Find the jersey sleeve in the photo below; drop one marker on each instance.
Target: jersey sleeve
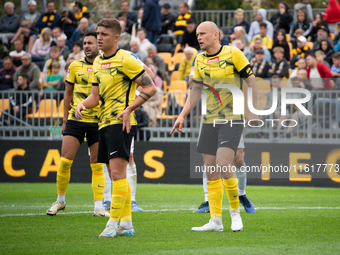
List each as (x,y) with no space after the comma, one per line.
(197,77)
(192,72)
(241,63)
(132,67)
(95,81)
(70,76)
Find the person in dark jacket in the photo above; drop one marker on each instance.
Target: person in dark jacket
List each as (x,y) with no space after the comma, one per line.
(259,65)
(142,121)
(317,23)
(168,19)
(152,20)
(124,7)
(280,66)
(7,74)
(303,23)
(328,50)
(189,36)
(239,20)
(68,22)
(50,18)
(282,19)
(9,24)
(281,40)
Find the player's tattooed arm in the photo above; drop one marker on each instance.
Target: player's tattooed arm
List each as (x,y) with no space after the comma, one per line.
(146,80)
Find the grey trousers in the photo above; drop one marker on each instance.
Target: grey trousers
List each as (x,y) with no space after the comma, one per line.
(5,38)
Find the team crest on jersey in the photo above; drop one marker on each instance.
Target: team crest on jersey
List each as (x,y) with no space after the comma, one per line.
(223,64)
(105,65)
(213,60)
(89,69)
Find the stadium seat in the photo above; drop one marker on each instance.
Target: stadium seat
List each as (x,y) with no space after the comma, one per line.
(60,113)
(165,86)
(331,36)
(165,47)
(258,78)
(176,59)
(288,37)
(47,108)
(166,57)
(310,45)
(180,96)
(284,84)
(174,76)
(4,105)
(261,102)
(291,51)
(178,86)
(177,48)
(263,85)
(40,82)
(165,38)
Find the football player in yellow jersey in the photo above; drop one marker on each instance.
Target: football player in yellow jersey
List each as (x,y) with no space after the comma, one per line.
(115,75)
(218,143)
(78,87)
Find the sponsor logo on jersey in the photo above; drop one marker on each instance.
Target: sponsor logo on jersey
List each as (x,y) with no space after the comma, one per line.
(213,60)
(105,65)
(89,69)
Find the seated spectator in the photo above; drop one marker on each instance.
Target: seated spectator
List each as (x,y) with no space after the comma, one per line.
(282,19)
(318,74)
(108,14)
(17,53)
(7,74)
(223,39)
(328,50)
(274,83)
(301,23)
(302,64)
(259,65)
(157,60)
(189,37)
(336,68)
(320,57)
(124,7)
(306,7)
(30,69)
(78,35)
(281,41)
(67,22)
(152,20)
(21,102)
(181,21)
(123,16)
(56,33)
(301,51)
(280,66)
(240,21)
(9,24)
(28,22)
(168,19)
(323,34)
(186,63)
(257,46)
(138,24)
(134,47)
(55,57)
(53,79)
(157,80)
(64,49)
(79,10)
(268,42)
(42,46)
(317,23)
(242,47)
(239,34)
(124,39)
(144,42)
(303,82)
(76,54)
(261,17)
(143,120)
(92,26)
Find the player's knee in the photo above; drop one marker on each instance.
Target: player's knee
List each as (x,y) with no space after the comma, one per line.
(238,161)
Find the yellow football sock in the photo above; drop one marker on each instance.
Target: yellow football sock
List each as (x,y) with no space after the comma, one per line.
(126,213)
(215,196)
(119,195)
(63,175)
(98,181)
(231,188)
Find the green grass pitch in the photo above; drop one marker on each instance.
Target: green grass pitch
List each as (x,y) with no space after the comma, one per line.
(288,221)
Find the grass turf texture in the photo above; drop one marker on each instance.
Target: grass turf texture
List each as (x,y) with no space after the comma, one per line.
(288,229)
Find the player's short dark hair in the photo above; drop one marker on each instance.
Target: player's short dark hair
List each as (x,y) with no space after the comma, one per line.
(312,54)
(24,76)
(191,21)
(262,24)
(91,33)
(112,24)
(86,15)
(336,55)
(122,14)
(79,4)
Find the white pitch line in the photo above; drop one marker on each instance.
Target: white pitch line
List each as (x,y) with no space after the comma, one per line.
(185,209)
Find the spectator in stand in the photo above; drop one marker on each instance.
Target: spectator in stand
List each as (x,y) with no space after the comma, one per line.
(267,41)
(317,23)
(42,46)
(281,41)
(138,24)
(92,26)
(335,70)
(52,80)
(242,47)
(144,42)
(17,53)
(301,51)
(168,19)
(108,14)
(55,58)
(56,33)
(186,63)
(78,35)
(30,69)
(124,7)
(280,66)
(76,54)
(68,22)
(240,22)
(257,46)
(189,37)
(181,21)
(318,74)
(141,54)
(239,34)
(302,65)
(152,20)
(223,39)
(157,60)
(143,120)
(157,80)
(21,102)
(124,39)
(303,82)
(63,48)
(328,50)
(323,34)
(320,57)
(261,17)
(331,15)
(282,19)
(79,10)
(28,22)
(9,24)
(7,74)
(306,7)
(122,16)
(302,23)
(259,65)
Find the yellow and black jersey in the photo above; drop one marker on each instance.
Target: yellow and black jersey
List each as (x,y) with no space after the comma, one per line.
(181,22)
(79,75)
(115,77)
(227,66)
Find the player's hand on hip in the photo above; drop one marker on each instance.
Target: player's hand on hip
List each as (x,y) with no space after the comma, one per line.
(125,115)
(63,127)
(80,108)
(179,124)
